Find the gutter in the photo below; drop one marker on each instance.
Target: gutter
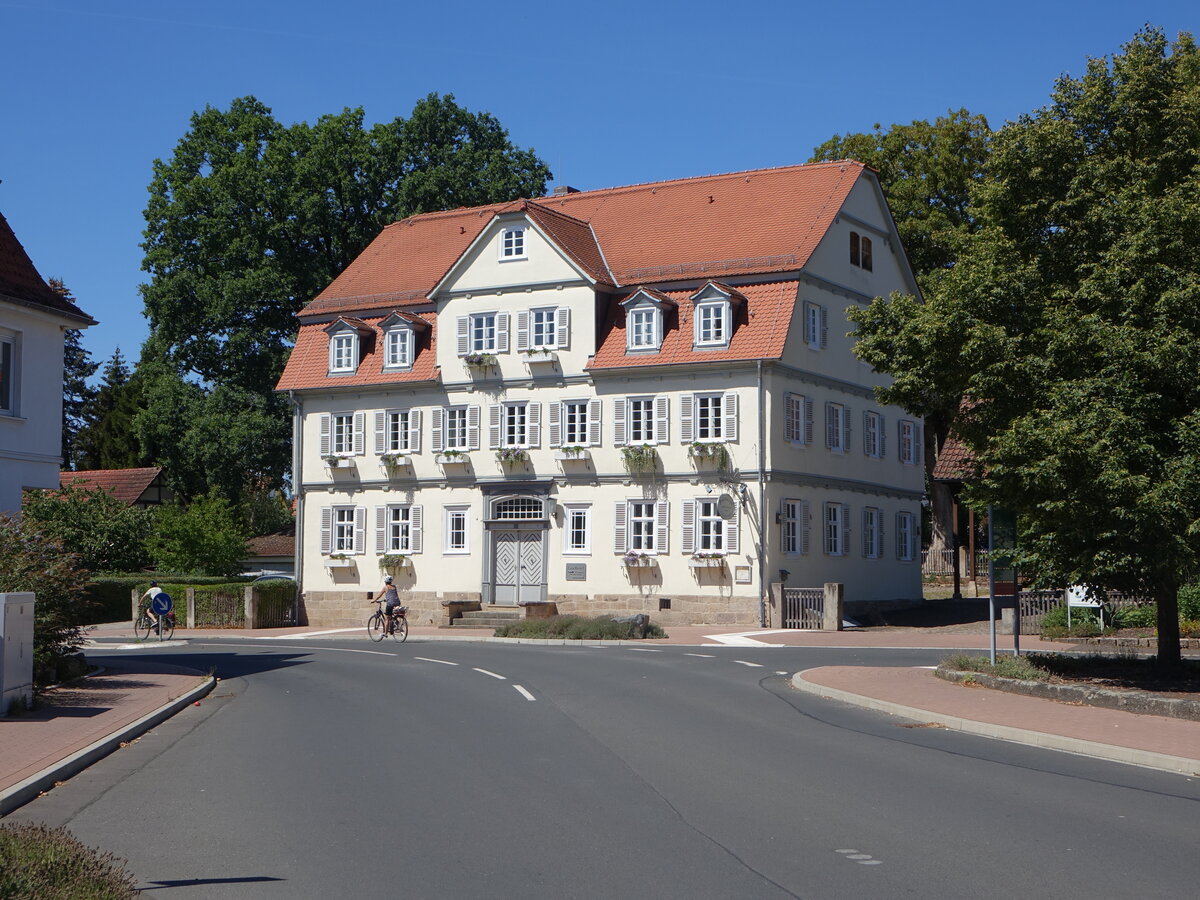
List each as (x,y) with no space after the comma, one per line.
(762,505)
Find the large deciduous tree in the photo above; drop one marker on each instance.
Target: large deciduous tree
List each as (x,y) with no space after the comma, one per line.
(927,170)
(1080,328)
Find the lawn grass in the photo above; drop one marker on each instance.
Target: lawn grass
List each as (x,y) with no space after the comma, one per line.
(51,864)
(577,628)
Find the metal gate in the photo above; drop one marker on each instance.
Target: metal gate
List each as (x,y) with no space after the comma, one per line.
(803,607)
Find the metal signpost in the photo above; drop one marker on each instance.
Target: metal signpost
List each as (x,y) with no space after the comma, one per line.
(1002,540)
(161,604)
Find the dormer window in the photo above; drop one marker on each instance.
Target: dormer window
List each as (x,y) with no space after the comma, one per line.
(343,352)
(398,348)
(512,243)
(644,311)
(713,314)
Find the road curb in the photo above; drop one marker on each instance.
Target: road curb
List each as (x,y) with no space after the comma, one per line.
(1147,759)
(20,794)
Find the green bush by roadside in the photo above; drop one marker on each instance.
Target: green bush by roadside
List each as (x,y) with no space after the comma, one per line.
(1021,667)
(109,594)
(51,864)
(576,628)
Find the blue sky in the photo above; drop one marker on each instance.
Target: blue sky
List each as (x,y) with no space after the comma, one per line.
(607,93)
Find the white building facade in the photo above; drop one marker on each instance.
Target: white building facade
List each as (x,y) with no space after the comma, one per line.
(633,400)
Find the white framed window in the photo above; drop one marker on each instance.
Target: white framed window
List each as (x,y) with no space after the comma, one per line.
(342,529)
(483,332)
(641,525)
(577,529)
(398,430)
(705,530)
(860,251)
(798,419)
(343,434)
(455,428)
(906,536)
(512,243)
(343,352)
(457,534)
(910,442)
(712,323)
(872,527)
(8,374)
(642,519)
(708,417)
(515,424)
(644,330)
(398,528)
(837,427)
(543,328)
(873,435)
(835,519)
(793,527)
(575,423)
(816,330)
(710,527)
(398,348)
(641,420)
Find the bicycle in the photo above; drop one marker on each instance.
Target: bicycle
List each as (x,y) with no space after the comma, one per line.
(143,627)
(377,623)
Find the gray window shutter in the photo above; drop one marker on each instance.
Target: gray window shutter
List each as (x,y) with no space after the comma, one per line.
(523,330)
(865,529)
(436,428)
(414,430)
(846,428)
(808,421)
(534,413)
(562,322)
(326,427)
(502,332)
(899,536)
(381,529)
(918,444)
(380,431)
(619,421)
(880,553)
(845,530)
(360,433)
(554,421)
(494,414)
(686,426)
(732,529)
(662,531)
(824,327)
(687,542)
(417,538)
(594,408)
(472,427)
(831,414)
(882,442)
(326,529)
(360,529)
(464,335)
(789,418)
(662,419)
(730,432)
(620,529)
(805,522)
(867,439)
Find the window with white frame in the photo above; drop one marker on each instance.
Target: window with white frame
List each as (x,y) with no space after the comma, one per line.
(710,527)
(642,521)
(398,348)
(577,529)
(641,526)
(8,373)
(512,243)
(575,423)
(400,522)
(398,430)
(342,434)
(793,527)
(457,535)
(873,435)
(543,328)
(872,526)
(712,323)
(798,419)
(837,427)
(816,332)
(343,352)
(483,332)
(515,425)
(644,329)
(344,521)
(835,528)
(710,417)
(641,420)
(455,428)
(910,447)
(906,536)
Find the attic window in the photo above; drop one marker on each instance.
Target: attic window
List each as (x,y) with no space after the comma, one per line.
(712,323)
(343,352)
(860,251)
(645,328)
(512,243)
(398,348)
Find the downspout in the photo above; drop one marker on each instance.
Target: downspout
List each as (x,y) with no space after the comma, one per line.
(297,489)
(762,504)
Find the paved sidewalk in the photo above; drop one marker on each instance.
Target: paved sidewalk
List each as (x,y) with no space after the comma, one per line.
(1172,745)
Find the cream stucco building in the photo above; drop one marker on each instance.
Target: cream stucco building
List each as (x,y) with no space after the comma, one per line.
(638,399)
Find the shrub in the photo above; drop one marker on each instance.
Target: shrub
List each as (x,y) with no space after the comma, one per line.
(205,538)
(576,628)
(108,535)
(51,864)
(1189,602)
(1142,616)
(1022,667)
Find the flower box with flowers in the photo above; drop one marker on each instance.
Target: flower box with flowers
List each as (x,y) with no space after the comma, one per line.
(394,458)
(573,453)
(636,560)
(707,560)
(640,457)
(394,561)
(479,360)
(714,452)
(338,561)
(512,456)
(337,462)
(451,457)
(539,355)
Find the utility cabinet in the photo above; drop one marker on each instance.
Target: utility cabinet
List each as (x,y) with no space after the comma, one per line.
(16,650)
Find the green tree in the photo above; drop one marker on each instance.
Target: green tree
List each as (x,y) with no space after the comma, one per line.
(1079,332)
(206,537)
(107,439)
(927,171)
(104,533)
(77,369)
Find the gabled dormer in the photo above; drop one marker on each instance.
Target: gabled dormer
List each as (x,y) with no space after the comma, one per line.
(714,314)
(348,340)
(400,336)
(645,317)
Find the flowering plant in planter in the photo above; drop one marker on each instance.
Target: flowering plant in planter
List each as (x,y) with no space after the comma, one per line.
(511,455)
(332,461)
(637,558)
(394,560)
(639,457)
(394,458)
(452,455)
(573,450)
(479,360)
(715,452)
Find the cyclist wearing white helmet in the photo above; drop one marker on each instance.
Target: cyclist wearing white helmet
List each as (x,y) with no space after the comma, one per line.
(391,599)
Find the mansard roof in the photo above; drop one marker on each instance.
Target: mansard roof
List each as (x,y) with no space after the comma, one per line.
(308,366)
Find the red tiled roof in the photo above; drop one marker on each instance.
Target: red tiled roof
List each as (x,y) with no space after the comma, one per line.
(954,462)
(282,543)
(20,281)
(714,226)
(127,485)
(760,328)
(308,365)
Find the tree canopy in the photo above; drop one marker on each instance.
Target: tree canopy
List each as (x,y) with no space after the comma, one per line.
(1073,329)
(77,369)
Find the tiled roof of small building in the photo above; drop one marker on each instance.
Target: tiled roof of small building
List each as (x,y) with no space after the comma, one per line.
(954,462)
(127,485)
(281,543)
(20,281)
(308,366)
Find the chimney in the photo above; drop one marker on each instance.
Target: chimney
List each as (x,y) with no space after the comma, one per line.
(560,189)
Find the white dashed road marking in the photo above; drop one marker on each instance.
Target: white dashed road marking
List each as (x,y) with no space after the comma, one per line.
(701,655)
(742,662)
(645,649)
(443,662)
(863,859)
(524,693)
(493,674)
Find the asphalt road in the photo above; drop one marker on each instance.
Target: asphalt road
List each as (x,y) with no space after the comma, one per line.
(433,770)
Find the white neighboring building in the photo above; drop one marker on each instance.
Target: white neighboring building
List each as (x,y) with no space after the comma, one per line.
(33,319)
(639,399)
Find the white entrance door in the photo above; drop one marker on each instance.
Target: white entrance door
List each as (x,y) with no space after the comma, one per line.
(519,563)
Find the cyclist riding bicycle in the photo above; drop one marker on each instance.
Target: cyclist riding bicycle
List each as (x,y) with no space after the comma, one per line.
(391,600)
(150,596)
